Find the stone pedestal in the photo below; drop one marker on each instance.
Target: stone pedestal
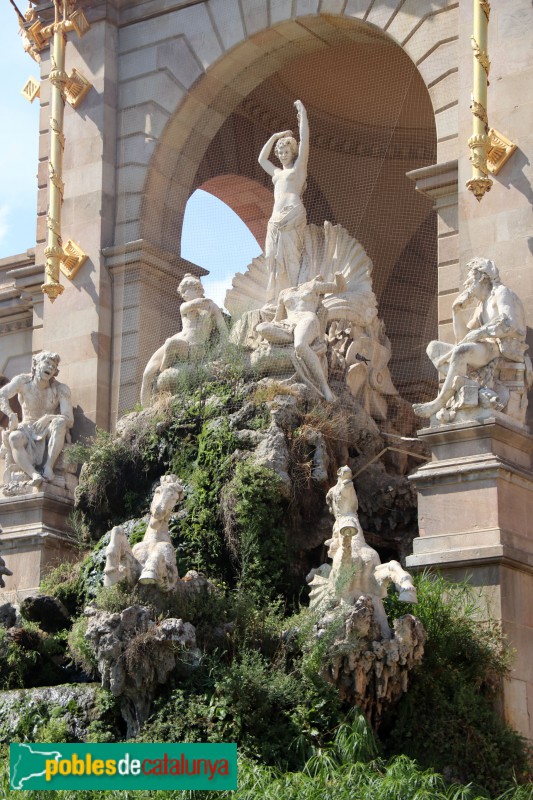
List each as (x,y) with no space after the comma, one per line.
(36,536)
(475,507)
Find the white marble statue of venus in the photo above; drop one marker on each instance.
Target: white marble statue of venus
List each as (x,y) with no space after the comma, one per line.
(285,233)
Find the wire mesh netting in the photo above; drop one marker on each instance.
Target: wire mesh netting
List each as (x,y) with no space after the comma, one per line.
(371,121)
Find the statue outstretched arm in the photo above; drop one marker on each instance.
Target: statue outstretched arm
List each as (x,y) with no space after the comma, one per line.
(329,287)
(264,155)
(303,127)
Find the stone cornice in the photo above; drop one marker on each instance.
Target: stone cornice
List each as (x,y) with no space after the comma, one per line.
(436,181)
(20,289)
(139,254)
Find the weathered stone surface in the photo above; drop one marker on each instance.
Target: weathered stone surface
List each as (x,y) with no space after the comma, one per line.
(135,655)
(83,699)
(48,612)
(369,671)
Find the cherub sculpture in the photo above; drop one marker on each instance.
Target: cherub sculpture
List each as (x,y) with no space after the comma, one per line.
(152,561)
(489,348)
(356,568)
(200,319)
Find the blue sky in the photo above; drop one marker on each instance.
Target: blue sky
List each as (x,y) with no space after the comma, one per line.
(19,135)
(213,235)
(216,238)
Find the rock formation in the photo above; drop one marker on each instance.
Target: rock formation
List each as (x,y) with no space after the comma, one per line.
(135,655)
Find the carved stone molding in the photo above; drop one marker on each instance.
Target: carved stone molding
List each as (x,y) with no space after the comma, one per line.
(437,181)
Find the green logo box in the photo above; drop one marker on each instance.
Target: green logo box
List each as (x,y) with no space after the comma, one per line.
(123,766)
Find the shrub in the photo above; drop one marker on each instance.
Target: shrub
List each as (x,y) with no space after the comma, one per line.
(447,719)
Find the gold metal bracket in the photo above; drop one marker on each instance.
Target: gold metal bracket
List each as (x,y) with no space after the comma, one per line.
(76,87)
(72,259)
(79,22)
(31,89)
(500,151)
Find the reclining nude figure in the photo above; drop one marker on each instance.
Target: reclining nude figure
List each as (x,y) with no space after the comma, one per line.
(296,321)
(152,561)
(200,318)
(497,328)
(285,232)
(356,568)
(36,442)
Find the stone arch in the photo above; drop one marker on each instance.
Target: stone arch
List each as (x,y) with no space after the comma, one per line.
(199,63)
(247,198)
(194,117)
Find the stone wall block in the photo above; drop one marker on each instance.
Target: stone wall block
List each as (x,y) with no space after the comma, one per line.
(280,10)
(160,84)
(331,6)
(449,278)
(357,8)
(407,19)
(438,29)
(448,249)
(136,63)
(305,7)
(178,58)
(382,13)
(447,123)
(445,306)
(148,118)
(445,92)
(440,61)
(255,14)
(227,17)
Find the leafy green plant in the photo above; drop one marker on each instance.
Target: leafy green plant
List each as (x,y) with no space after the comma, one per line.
(447,719)
(254,511)
(79,648)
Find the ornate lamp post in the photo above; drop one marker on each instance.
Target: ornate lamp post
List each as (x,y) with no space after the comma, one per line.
(479,142)
(70,88)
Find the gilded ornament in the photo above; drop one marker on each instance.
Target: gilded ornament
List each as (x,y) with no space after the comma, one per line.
(481,55)
(479,111)
(71,88)
(500,151)
(485,6)
(478,186)
(31,89)
(72,259)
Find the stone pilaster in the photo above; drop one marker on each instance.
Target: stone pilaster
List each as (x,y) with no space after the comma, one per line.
(36,536)
(475,515)
(145,313)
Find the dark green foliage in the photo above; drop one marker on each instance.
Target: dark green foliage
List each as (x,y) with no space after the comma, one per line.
(29,657)
(67,584)
(346,769)
(254,515)
(277,717)
(447,719)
